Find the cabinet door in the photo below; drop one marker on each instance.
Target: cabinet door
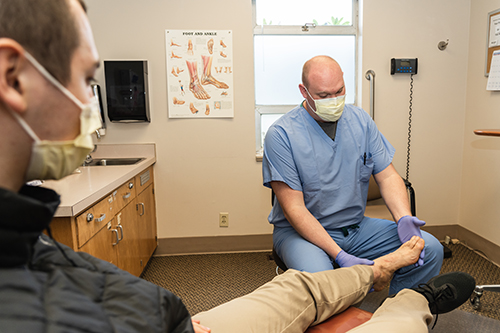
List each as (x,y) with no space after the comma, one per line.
(146,222)
(101,245)
(129,258)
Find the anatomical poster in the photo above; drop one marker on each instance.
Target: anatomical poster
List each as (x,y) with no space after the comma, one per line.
(199,73)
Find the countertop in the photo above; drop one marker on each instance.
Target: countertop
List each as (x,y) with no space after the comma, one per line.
(88,185)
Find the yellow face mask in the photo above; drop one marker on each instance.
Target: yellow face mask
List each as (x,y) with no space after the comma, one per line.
(57,159)
(328,109)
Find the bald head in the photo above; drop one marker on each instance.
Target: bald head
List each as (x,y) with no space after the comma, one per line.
(319,64)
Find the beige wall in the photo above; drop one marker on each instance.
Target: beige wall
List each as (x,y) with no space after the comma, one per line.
(407,28)
(479,204)
(203,166)
(208,166)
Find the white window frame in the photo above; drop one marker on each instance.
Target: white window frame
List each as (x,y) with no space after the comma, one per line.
(351,30)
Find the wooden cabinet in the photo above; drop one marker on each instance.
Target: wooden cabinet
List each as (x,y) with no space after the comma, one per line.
(120,228)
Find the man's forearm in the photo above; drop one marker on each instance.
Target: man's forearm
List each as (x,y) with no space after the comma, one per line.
(393,191)
(310,228)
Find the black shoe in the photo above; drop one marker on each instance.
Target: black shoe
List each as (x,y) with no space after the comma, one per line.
(448,291)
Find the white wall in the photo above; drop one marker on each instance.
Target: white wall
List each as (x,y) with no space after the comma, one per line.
(208,166)
(479,204)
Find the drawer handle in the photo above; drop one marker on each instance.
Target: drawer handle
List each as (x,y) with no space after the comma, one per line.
(143,208)
(121,231)
(103,216)
(117,239)
(90,217)
(130,185)
(126,196)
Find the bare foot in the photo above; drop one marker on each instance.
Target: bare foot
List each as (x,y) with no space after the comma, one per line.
(175,56)
(385,266)
(223,55)
(172,43)
(222,43)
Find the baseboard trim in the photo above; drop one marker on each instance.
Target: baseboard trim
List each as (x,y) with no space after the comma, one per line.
(215,244)
(469,238)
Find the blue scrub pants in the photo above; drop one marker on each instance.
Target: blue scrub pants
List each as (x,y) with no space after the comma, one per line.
(373,239)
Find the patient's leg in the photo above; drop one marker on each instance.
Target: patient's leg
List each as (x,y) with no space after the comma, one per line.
(194,83)
(296,300)
(207,77)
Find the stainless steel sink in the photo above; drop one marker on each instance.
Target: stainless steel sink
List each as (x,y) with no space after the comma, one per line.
(114,161)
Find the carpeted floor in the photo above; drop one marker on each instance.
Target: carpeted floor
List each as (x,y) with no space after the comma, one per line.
(205,281)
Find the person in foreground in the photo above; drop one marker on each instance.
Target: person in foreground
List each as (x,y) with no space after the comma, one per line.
(47,61)
(318,159)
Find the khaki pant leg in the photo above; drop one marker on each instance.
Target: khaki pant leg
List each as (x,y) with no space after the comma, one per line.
(407,312)
(291,302)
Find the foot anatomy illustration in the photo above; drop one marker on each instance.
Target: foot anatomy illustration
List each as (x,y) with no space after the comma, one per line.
(207,109)
(210,45)
(190,48)
(207,77)
(178,101)
(175,56)
(192,108)
(194,83)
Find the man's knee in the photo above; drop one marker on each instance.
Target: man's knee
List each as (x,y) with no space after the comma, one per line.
(433,249)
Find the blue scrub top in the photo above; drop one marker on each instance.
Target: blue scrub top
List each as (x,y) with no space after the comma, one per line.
(332,175)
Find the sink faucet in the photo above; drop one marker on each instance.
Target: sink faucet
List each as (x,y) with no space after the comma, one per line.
(89,158)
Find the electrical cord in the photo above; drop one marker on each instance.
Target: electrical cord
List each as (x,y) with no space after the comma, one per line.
(409,130)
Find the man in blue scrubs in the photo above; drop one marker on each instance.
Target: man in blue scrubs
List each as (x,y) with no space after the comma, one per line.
(318,159)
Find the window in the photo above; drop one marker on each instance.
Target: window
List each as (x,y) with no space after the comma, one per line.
(286,34)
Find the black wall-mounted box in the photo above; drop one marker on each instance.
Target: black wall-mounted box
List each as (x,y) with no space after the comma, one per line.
(127,90)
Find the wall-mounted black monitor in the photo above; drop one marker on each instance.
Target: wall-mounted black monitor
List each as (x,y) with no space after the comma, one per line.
(127,90)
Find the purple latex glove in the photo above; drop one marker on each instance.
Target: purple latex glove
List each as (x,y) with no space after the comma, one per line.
(409,226)
(347,260)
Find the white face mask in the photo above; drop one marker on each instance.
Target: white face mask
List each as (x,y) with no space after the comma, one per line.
(57,159)
(328,109)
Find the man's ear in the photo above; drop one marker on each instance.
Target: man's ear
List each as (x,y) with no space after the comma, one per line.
(303,91)
(12,65)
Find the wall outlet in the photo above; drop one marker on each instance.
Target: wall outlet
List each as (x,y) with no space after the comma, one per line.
(223,220)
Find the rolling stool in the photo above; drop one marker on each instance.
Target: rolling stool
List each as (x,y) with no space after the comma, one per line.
(339,323)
